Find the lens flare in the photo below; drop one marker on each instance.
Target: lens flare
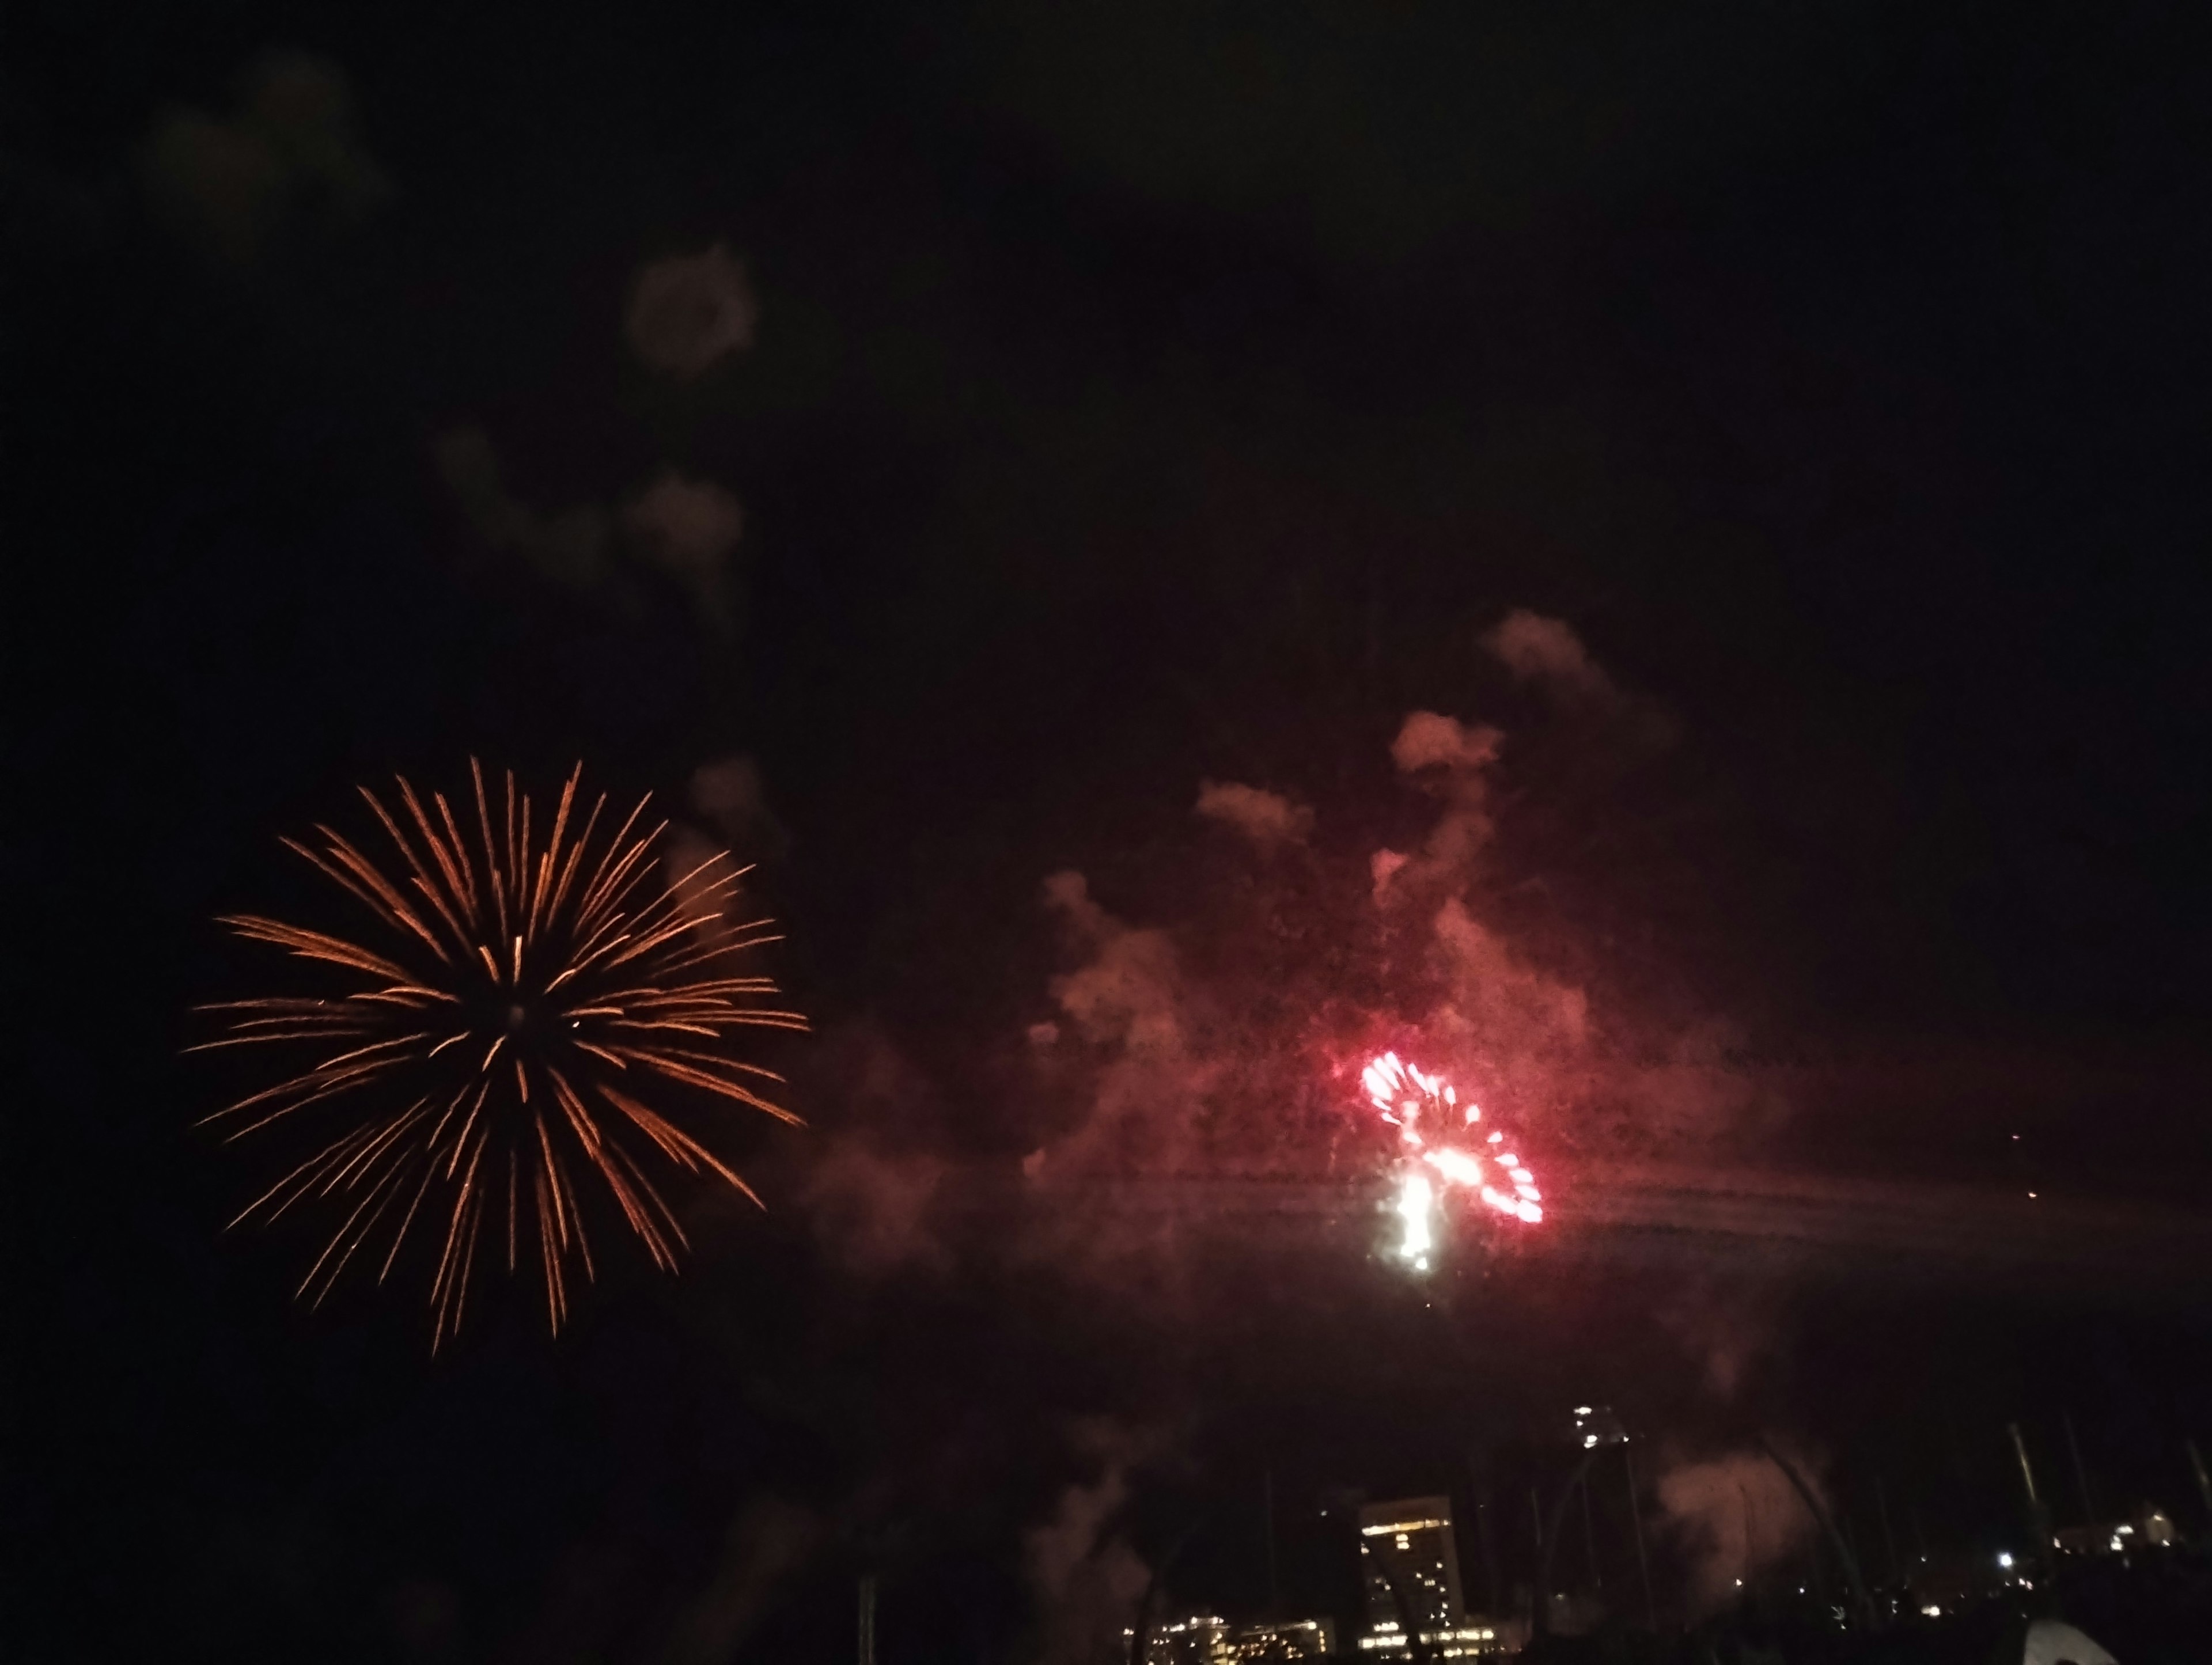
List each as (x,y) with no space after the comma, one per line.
(1434,1158)
(525,1002)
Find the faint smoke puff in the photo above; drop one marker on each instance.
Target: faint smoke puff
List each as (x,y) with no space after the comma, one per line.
(291,151)
(567,547)
(1384,866)
(1735,1515)
(1067,893)
(1547,652)
(691,869)
(1267,818)
(688,310)
(687,528)
(1428,740)
(874,1209)
(731,794)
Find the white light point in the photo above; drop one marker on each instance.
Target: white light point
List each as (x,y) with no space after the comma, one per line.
(1457,1166)
(1415,1200)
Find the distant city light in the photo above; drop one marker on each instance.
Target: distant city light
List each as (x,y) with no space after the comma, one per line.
(1932,1611)
(2004,1558)
(1207,1639)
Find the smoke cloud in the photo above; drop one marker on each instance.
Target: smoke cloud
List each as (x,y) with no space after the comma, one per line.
(766,1542)
(1493,994)
(874,1210)
(869,1195)
(568,548)
(1203,1044)
(730,795)
(1735,1516)
(687,528)
(1546,651)
(688,312)
(1452,761)
(1427,740)
(682,528)
(1085,1579)
(288,155)
(1725,1328)
(1267,818)
(689,867)
(1127,1002)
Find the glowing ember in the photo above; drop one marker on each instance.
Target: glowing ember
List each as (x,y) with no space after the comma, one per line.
(1431,1120)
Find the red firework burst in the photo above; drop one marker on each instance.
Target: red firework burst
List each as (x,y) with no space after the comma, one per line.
(1441,1149)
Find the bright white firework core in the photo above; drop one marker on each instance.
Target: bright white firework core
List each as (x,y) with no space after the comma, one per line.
(1416,1202)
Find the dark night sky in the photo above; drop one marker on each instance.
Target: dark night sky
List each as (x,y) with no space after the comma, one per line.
(1142,394)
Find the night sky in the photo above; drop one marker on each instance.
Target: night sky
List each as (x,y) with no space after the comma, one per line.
(1769,444)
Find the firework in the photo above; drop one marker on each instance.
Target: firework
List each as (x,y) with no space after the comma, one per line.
(539,1021)
(1441,1149)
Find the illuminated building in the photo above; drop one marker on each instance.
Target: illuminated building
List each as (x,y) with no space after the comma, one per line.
(2146,1529)
(1467,1638)
(1199,1639)
(1408,1555)
(1409,1544)
(1294,1638)
(1205,1639)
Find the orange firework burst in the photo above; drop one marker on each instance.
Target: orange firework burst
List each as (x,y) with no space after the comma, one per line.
(531,998)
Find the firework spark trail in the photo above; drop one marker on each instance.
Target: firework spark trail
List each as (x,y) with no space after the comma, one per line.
(1433,1128)
(473,1073)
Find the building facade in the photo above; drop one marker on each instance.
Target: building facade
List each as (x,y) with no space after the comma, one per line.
(1409,1566)
(1206,1639)
(1294,1639)
(1201,1639)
